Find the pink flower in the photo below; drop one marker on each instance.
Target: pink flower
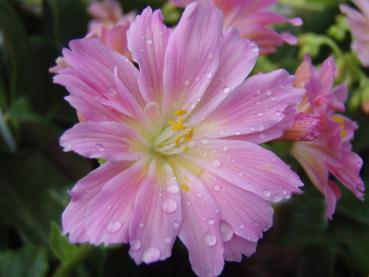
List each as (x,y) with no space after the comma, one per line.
(253,20)
(330,153)
(359,25)
(179,137)
(110,25)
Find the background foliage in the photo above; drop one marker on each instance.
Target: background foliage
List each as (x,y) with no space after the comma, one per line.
(35,174)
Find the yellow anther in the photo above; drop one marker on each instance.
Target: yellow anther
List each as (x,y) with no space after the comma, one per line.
(188,135)
(185,188)
(341,123)
(177,125)
(178,141)
(181,112)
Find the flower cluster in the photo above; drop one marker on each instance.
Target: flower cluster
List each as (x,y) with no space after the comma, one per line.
(178,123)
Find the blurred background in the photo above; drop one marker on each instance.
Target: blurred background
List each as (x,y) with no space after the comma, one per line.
(35,174)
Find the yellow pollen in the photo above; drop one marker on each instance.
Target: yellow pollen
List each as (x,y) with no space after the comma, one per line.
(188,135)
(177,125)
(178,141)
(185,188)
(341,123)
(181,112)
(186,148)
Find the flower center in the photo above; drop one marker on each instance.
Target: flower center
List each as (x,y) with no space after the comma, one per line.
(177,138)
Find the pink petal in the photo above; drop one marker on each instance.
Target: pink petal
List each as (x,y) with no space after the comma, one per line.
(156,217)
(236,247)
(200,227)
(192,56)
(238,57)
(247,214)
(108,215)
(97,63)
(82,195)
(247,166)
(257,105)
(111,141)
(147,40)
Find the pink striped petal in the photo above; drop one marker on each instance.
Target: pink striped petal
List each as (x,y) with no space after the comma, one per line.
(238,57)
(111,141)
(192,56)
(157,216)
(247,215)
(236,247)
(82,194)
(147,41)
(258,104)
(247,166)
(108,215)
(200,227)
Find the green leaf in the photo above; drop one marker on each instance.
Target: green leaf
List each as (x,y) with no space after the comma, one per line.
(60,246)
(30,261)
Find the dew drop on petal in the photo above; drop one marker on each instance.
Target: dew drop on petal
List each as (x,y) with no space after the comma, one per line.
(167,240)
(135,245)
(226,90)
(113,226)
(216,164)
(226,231)
(176,224)
(149,41)
(141,225)
(151,255)
(173,189)
(205,141)
(216,188)
(225,148)
(211,221)
(277,198)
(169,206)
(267,193)
(187,82)
(210,239)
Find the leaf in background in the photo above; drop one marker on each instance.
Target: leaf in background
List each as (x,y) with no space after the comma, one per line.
(34,194)
(30,261)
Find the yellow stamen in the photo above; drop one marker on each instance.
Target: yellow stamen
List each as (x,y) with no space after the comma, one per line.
(185,188)
(188,135)
(181,112)
(186,148)
(177,125)
(341,123)
(178,141)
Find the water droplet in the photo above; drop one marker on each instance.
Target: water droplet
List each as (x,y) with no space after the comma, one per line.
(100,147)
(199,194)
(209,75)
(141,225)
(151,255)
(260,114)
(226,90)
(149,41)
(284,192)
(226,231)
(135,245)
(216,188)
(210,239)
(188,202)
(216,164)
(211,221)
(225,148)
(197,79)
(277,198)
(167,240)
(173,189)
(205,141)
(273,98)
(113,226)
(268,92)
(240,174)
(242,226)
(278,114)
(217,210)
(176,224)
(169,206)
(187,82)
(267,193)
(237,133)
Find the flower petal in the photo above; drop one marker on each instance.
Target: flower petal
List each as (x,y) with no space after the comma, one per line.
(257,105)
(156,216)
(200,227)
(247,166)
(247,214)
(111,141)
(192,55)
(108,215)
(238,57)
(147,41)
(82,195)
(236,247)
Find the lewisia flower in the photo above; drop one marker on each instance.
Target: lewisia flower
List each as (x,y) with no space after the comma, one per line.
(179,136)
(359,25)
(110,25)
(329,150)
(253,20)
